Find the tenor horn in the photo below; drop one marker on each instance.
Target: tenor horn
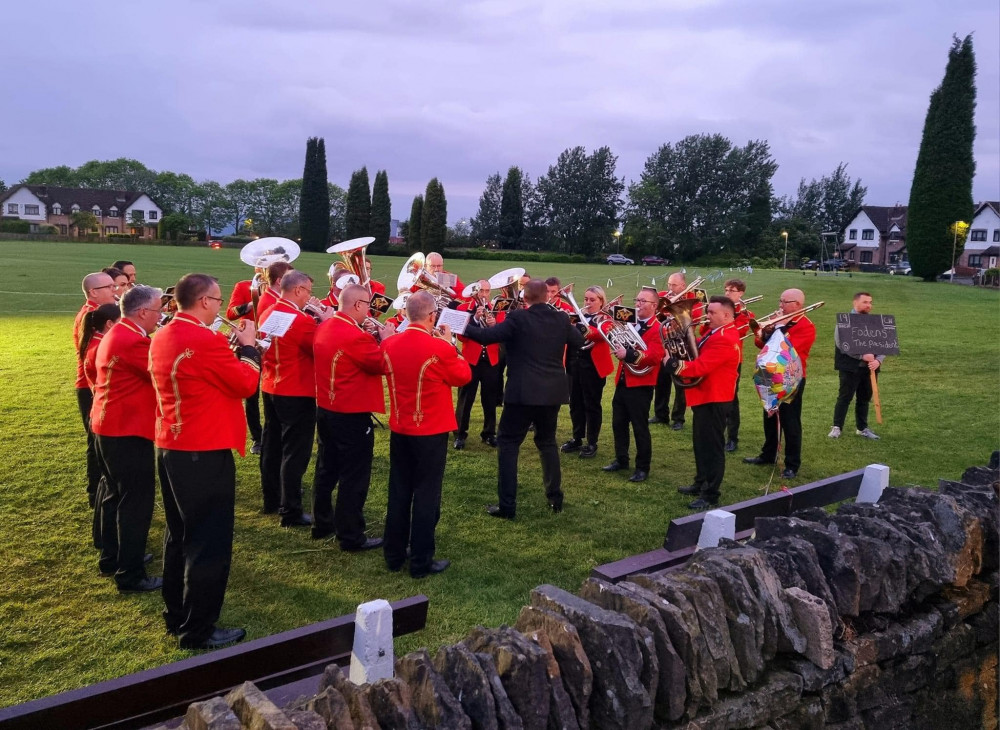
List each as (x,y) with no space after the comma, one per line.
(614,333)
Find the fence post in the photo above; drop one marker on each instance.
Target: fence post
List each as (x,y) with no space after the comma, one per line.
(875,480)
(716,525)
(372,657)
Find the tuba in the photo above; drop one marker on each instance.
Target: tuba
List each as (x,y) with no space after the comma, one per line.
(414,275)
(353,254)
(616,334)
(678,336)
(661,309)
(506,283)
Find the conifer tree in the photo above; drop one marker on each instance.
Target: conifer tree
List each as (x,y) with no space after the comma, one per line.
(359,205)
(413,241)
(511,210)
(381,220)
(941,192)
(314,201)
(433,218)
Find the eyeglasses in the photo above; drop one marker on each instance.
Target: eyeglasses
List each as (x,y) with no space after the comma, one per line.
(789,301)
(644,301)
(365,302)
(106,286)
(731,289)
(217,299)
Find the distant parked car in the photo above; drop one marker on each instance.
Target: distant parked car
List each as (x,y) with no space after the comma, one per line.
(900,267)
(617,258)
(215,243)
(809,265)
(833,265)
(654,261)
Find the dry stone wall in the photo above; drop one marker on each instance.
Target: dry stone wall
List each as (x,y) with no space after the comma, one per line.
(878,616)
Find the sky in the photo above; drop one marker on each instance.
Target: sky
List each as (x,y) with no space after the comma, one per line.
(226,89)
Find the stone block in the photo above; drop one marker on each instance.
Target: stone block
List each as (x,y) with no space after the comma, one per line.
(522,669)
(433,702)
(914,635)
(255,710)
(357,700)
(778,694)
(986,624)
(562,714)
(813,621)
(392,704)
(507,716)
(892,713)
(213,714)
(460,670)
(372,655)
(815,679)
(574,666)
(969,599)
(795,562)
(306,720)
(612,642)
(718,524)
(332,707)
(808,715)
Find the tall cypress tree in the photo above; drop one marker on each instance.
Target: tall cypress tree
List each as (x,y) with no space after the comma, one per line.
(511,210)
(413,241)
(359,205)
(941,192)
(434,217)
(381,221)
(314,201)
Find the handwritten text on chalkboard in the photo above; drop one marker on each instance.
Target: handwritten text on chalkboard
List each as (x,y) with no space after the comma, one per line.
(859,334)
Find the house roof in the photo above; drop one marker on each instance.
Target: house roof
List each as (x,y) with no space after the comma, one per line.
(884,216)
(84,197)
(995,205)
(991,251)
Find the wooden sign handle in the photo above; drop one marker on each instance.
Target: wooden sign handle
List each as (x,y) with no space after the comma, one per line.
(875,396)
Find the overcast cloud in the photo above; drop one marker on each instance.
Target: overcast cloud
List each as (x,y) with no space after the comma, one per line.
(223,89)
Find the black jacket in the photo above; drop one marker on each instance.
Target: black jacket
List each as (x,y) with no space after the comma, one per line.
(537,339)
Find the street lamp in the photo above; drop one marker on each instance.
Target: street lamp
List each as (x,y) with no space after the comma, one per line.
(959,227)
(618,240)
(785,264)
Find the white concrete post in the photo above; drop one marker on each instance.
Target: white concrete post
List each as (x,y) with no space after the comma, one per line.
(875,480)
(716,525)
(372,657)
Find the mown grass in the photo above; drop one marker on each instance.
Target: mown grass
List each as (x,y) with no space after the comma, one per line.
(61,626)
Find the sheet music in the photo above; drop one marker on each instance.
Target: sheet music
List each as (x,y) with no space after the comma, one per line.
(455,319)
(402,325)
(276,324)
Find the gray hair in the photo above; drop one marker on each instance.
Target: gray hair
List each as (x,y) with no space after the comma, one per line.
(293,279)
(140,297)
(419,305)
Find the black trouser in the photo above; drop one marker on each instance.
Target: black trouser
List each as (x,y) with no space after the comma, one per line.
(856,384)
(586,391)
(661,400)
(127,507)
(489,377)
(790,415)
(630,407)
(344,460)
(708,435)
(252,407)
(199,495)
(416,469)
(289,427)
(85,401)
(514,423)
(733,416)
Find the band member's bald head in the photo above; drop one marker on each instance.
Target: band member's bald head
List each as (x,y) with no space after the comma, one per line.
(535,291)
(676,282)
(483,289)
(420,306)
(351,295)
(792,300)
(99,288)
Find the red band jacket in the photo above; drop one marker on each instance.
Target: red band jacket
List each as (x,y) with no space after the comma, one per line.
(287,365)
(348,364)
(124,399)
(652,356)
(81,377)
(717,361)
(242,295)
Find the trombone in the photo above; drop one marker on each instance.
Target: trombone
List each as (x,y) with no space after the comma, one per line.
(776,318)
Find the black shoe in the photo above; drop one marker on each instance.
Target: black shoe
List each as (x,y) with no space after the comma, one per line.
(218,637)
(639,476)
(255,448)
(394,568)
(436,566)
(614,466)
(657,419)
(756,460)
(731,445)
(570,446)
(494,510)
(146,560)
(145,585)
(490,440)
(321,533)
(369,544)
(788,474)
(700,505)
(556,507)
(302,520)
(677,425)
(692,490)
(459,444)
(588,451)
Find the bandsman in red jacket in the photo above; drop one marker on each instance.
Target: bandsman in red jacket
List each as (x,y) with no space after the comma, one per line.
(801,333)
(662,412)
(200,387)
(484,362)
(288,385)
(633,392)
(348,365)
(588,376)
(434,264)
(734,290)
(270,295)
(552,287)
(93,328)
(241,307)
(98,288)
(123,419)
(710,399)
(421,368)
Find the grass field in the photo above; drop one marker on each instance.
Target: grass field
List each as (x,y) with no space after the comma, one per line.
(62,626)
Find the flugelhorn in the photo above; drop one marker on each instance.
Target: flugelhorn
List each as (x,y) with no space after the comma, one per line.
(776,318)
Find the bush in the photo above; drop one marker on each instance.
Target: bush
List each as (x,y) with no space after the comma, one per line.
(15,226)
(48,230)
(483,254)
(120,237)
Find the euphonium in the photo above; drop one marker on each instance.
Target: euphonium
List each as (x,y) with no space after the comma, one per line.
(614,333)
(678,336)
(506,283)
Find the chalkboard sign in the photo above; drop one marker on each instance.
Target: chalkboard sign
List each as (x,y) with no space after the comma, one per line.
(860,334)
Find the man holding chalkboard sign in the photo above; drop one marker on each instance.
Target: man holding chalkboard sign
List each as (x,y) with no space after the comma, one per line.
(855,368)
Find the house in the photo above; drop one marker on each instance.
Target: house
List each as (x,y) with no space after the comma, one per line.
(117,211)
(984,235)
(875,235)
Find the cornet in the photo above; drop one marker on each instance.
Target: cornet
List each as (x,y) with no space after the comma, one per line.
(234,327)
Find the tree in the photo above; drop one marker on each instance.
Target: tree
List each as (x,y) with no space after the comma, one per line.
(61,176)
(83,221)
(314,198)
(359,205)
(829,203)
(581,198)
(941,191)
(3,186)
(210,206)
(338,212)
(381,221)
(433,218)
(486,224)
(511,210)
(238,204)
(173,226)
(413,241)
(172,192)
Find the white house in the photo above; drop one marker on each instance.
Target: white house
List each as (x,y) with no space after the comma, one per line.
(875,235)
(53,205)
(983,237)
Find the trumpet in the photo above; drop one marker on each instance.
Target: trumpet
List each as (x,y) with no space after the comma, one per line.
(234,327)
(776,318)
